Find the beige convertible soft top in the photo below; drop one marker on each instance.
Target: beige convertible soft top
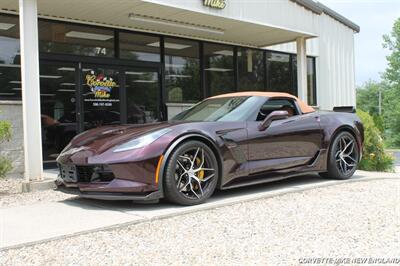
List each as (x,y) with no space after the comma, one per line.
(305,108)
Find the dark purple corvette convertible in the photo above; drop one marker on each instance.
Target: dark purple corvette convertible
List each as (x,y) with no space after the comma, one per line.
(223,142)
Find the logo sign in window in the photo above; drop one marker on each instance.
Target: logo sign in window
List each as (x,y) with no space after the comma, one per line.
(218,4)
(101,88)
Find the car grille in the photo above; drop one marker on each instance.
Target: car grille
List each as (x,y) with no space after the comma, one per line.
(86,174)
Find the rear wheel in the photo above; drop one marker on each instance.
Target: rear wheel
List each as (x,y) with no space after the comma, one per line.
(343,157)
(191,174)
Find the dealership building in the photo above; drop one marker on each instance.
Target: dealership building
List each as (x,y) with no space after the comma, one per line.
(68,66)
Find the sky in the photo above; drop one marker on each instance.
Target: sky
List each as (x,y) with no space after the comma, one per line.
(375,18)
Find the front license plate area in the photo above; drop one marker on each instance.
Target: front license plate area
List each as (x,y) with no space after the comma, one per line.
(68,173)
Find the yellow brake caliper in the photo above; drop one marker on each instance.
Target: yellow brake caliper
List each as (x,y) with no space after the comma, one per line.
(200,174)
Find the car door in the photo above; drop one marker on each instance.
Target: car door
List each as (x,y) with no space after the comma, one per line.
(286,143)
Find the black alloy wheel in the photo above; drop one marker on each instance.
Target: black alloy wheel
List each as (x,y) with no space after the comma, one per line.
(191,174)
(343,157)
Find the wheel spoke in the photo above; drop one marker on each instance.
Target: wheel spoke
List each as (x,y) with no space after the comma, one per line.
(199,183)
(184,186)
(348,145)
(194,192)
(351,158)
(185,157)
(180,164)
(207,178)
(203,169)
(180,180)
(194,158)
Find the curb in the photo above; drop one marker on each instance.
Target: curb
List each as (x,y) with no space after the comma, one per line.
(38,185)
(208,206)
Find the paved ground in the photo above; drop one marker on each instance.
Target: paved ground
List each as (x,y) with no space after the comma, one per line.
(349,220)
(57,216)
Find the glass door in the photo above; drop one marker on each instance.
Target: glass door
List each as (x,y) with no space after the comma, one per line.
(100,94)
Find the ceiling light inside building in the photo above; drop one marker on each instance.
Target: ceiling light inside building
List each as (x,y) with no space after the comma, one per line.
(133,73)
(170,45)
(6,26)
(15,82)
(66,90)
(47,94)
(224,52)
(217,69)
(178,76)
(88,35)
(66,68)
(6,93)
(16,89)
(144,81)
(174,65)
(50,77)
(175,24)
(67,84)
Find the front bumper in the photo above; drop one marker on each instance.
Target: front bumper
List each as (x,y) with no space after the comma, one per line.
(104,182)
(151,196)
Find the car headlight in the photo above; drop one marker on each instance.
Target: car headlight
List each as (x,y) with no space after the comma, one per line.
(142,141)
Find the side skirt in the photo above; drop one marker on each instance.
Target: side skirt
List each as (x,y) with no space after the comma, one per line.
(260,179)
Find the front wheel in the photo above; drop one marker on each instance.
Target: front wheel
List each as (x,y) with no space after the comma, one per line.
(343,157)
(191,174)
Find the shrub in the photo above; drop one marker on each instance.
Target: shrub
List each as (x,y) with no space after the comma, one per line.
(5,166)
(374,156)
(5,134)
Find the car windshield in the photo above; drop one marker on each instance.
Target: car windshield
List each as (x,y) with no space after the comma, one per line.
(220,109)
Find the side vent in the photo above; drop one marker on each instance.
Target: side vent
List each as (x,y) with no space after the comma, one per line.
(344,109)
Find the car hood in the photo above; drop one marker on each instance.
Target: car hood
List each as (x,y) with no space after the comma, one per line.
(98,140)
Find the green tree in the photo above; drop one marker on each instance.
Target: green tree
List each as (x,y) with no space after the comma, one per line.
(391,77)
(368,97)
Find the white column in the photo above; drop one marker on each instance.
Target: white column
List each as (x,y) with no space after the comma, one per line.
(302,68)
(30,89)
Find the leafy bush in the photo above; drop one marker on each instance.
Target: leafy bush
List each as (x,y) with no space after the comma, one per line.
(5,166)
(374,156)
(5,134)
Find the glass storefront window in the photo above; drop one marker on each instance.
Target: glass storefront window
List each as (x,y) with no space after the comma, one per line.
(182,71)
(74,39)
(139,47)
(142,96)
(57,101)
(311,82)
(279,76)
(311,79)
(250,69)
(218,68)
(10,73)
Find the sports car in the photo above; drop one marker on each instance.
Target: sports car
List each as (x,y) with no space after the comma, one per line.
(223,142)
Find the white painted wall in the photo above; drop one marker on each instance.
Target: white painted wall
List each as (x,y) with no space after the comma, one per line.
(283,14)
(334,51)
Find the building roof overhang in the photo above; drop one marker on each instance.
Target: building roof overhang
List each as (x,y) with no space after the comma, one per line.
(188,19)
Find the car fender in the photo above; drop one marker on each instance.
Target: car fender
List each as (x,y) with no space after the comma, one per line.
(175,144)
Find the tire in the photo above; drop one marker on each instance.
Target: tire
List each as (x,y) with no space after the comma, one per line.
(343,157)
(190,178)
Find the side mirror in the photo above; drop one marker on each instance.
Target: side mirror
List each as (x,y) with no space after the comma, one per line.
(275,115)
